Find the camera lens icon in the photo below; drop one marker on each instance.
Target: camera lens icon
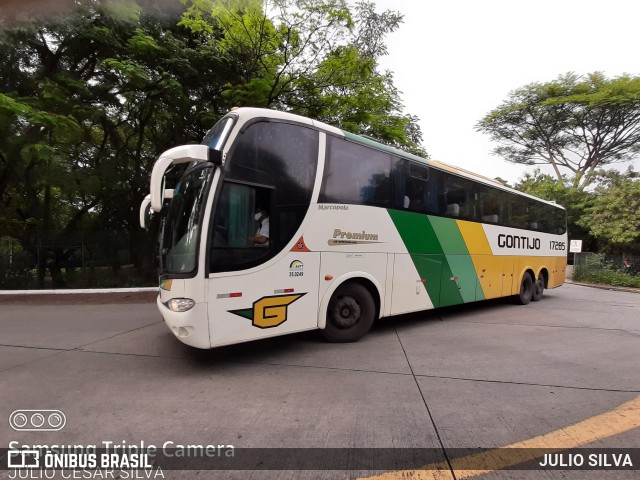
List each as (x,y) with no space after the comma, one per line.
(37,420)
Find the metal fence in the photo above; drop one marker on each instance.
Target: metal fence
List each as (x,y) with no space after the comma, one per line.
(105,259)
(618,270)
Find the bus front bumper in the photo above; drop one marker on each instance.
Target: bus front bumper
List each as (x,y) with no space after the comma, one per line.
(190,327)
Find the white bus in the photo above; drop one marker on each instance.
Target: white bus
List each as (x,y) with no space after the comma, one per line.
(282,224)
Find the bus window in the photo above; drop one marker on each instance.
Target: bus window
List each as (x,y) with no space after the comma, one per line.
(519,213)
(491,204)
(538,217)
(271,164)
(416,187)
(183,221)
(356,174)
(236,227)
(459,197)
(234,223)
(561,221)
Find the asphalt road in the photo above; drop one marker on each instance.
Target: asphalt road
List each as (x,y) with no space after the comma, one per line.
(484,375)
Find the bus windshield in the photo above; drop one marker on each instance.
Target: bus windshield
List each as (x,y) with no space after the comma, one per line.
(182,225)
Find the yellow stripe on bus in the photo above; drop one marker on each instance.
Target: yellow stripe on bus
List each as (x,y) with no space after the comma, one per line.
(475,238)
(489,268)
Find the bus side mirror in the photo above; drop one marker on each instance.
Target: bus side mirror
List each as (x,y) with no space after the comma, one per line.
(173,156)
(145,213)
(215,157)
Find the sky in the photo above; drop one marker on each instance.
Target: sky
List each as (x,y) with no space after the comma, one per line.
(456,60)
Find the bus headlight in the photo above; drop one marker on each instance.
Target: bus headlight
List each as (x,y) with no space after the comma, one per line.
(180,304)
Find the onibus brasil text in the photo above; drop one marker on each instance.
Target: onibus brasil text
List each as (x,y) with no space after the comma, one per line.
(112,455)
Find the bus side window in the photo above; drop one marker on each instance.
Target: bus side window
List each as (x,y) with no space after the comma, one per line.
(538,217)
(401,198)
(416,187)
(460,197)
(356,174)
(491,204)
(236,227)
(273,165)
(233,222)
(432,195)
(519,212)
(561,221)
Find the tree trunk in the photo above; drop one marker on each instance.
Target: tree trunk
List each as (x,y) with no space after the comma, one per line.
(43,252)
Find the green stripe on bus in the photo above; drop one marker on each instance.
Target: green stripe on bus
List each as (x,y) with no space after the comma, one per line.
(464,277)
(417,232)
(440,255)
(460,262)
(449,236)
(427,255)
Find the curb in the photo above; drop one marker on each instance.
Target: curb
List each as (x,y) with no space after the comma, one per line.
(603,287)
(78,291)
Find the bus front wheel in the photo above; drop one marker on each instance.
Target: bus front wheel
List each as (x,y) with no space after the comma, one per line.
(526,289)
(350,313)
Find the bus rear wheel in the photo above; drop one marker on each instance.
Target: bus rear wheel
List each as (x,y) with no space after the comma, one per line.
(538,288)
(350,314)
(526,289)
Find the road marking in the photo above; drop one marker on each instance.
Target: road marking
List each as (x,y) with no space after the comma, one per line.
(622,419)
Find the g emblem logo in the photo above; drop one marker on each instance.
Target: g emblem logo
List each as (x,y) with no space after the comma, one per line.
(268,312)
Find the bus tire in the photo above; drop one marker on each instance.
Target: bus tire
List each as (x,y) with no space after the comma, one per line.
(538,288)
(526,289)
(350,313)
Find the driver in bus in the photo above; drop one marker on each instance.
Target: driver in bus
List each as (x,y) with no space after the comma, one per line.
(262,235)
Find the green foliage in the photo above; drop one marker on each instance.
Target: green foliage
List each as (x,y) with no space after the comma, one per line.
(573,123)
(614,214)
(88,101)
(312,57)
(597,270)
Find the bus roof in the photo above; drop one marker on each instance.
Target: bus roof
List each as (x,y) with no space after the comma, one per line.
(248,112)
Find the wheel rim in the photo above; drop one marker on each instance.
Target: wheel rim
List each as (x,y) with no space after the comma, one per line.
(539,286)
(346,312)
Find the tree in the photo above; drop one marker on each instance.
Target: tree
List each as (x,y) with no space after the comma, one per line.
(574,123)
(614,214)
(317,58)
(88,101)
(40,189)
